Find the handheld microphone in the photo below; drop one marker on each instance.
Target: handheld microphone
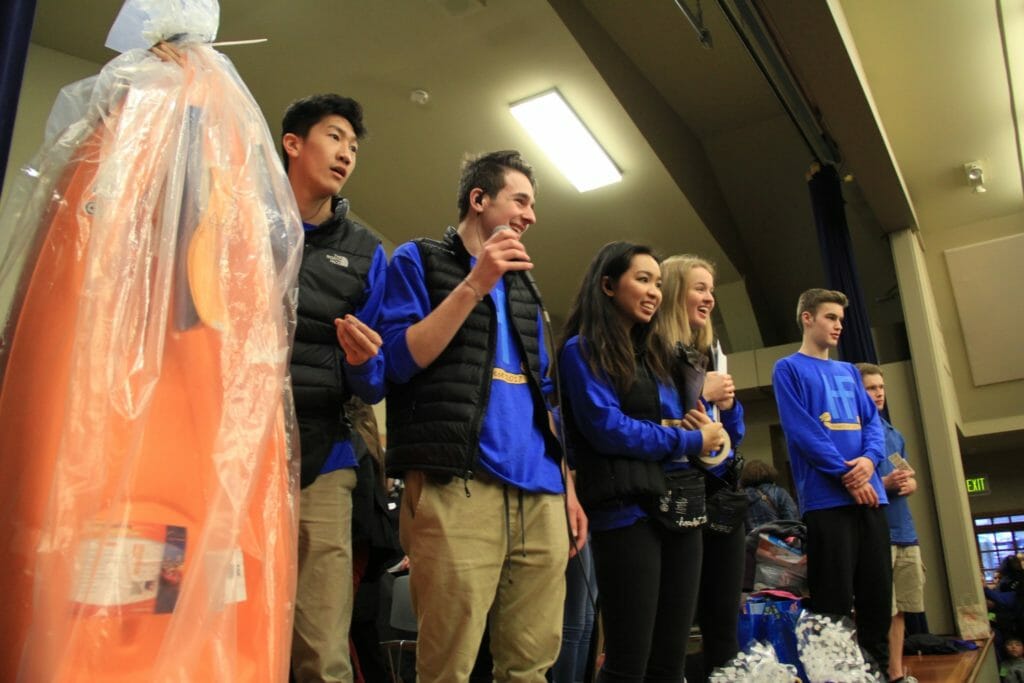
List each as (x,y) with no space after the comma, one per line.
(527,276)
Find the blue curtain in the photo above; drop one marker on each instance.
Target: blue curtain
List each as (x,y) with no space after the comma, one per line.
(15,30)
(855,344)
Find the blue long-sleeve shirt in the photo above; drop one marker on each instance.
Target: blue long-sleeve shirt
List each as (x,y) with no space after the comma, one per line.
(598,414)
(828,419)
(901,523)
(512,447)
(367,380)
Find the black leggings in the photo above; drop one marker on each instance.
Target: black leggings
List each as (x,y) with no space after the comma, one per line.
(648,578)
(721,583)
(849,564)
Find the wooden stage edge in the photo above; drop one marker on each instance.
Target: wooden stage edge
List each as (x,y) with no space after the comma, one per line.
(962,667)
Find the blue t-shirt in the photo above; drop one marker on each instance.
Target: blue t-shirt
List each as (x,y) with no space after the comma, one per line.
(828,419)
(512,446)
(367,380)
(599,417)
(901,524)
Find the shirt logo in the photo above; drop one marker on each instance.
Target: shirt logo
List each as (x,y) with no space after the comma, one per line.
(338,260)
(841,397)
(508,377)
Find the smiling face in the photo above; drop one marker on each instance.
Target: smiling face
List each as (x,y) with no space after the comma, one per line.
(636,295)
(513,205)
(325,158)
(699,297)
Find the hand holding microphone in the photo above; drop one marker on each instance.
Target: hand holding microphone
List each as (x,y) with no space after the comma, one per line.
(501,253)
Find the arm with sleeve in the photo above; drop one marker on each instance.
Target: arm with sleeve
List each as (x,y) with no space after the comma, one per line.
(406,302)
(598,414)
(732,420)
(872,431)
(367,380)
(801,427)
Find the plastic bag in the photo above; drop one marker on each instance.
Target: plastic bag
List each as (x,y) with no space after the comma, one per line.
(148,503)
(780,565)
(757,663)
(774,622)
(829,651)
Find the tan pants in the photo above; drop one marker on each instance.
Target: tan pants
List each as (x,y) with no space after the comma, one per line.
(323,601)
(497,556)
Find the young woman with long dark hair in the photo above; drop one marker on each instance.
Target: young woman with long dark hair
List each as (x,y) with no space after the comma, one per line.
(633,474)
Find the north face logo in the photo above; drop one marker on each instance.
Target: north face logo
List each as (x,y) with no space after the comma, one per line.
(338,260)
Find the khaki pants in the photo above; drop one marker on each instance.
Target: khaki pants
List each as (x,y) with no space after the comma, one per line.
(323,601)
(497,556)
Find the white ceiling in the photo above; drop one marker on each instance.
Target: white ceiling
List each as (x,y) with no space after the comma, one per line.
(711,162)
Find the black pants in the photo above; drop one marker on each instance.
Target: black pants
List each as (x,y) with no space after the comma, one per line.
(718,608)
(849,565)
(647,577)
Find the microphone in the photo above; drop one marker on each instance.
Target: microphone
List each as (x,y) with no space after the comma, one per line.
(527,276)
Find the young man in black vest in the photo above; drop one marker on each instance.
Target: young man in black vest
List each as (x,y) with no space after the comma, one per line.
(482,519)
(336,355)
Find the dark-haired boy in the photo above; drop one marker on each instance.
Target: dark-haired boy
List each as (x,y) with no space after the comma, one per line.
(835,442)
(482,518)
(336,355)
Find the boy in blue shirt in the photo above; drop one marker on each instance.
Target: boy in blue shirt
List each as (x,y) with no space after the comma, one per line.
(336,355)
(899,482)
(836,444)
(482,517)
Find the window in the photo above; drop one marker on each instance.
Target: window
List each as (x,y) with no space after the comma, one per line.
(997,538)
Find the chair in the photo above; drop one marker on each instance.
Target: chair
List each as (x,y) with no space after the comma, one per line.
(403,618)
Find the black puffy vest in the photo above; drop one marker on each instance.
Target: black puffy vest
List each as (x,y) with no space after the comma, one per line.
(433,420)
(336,260)
(604,479)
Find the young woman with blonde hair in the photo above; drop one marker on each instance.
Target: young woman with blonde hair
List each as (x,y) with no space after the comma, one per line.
(684,328)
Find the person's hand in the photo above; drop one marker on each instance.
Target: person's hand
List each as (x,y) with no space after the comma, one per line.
(502,253)
(696,418)
(713,434)
(357,339)
(860,472)
(908,486)
(894,480)
(578,523)
(719,389)
(865,495)
(168,53)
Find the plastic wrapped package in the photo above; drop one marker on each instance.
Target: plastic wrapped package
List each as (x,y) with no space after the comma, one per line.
(829,651)
(780,565)
(149,498)
(757,663)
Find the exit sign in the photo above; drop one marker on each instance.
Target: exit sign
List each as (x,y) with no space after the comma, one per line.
(977,486)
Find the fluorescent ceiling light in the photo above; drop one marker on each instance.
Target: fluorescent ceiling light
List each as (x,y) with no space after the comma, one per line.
(566,141)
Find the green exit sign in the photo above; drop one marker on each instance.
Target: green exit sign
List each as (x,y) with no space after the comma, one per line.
(977,486)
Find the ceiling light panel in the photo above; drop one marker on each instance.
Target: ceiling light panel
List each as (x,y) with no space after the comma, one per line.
(554,126)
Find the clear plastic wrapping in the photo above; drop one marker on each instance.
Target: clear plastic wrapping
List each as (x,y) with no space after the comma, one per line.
(149,496)
(757,663)
(829,651)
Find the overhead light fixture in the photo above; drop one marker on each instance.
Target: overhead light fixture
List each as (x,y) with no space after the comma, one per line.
(975,173)
(571,147)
